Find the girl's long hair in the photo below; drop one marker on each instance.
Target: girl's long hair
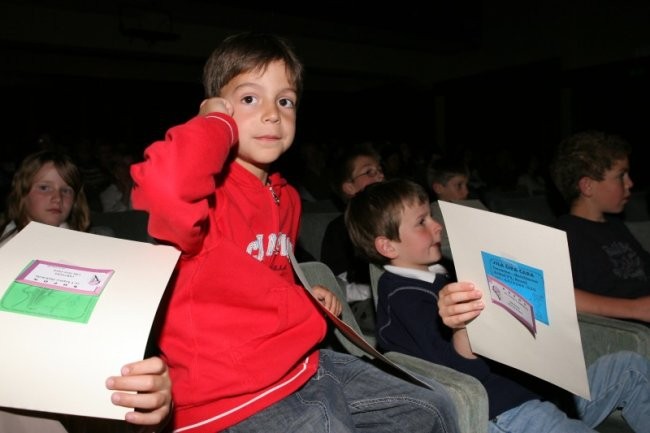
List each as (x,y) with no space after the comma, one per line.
(23,180)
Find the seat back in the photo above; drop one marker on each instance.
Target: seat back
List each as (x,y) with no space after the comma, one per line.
(535,208)
(130,224)
(318,273)
(641,231)
(636,208)
(312,231)
(375,273)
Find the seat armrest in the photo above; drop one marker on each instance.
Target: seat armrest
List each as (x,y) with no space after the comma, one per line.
(602,335)
(467,392)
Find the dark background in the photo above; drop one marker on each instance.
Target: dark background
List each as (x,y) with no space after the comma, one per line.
(490,76)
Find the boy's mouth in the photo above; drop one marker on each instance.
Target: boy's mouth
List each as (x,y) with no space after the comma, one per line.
(268,137)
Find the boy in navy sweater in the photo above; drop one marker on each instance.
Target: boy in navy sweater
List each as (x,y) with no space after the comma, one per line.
(423,313)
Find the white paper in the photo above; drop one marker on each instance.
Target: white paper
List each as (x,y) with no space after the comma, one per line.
(436,213)
(533,260)
(61,366)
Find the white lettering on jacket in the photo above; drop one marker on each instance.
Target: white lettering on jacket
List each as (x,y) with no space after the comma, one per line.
(277,243)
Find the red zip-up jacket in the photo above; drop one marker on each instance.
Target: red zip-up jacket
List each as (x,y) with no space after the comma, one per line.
(238,334)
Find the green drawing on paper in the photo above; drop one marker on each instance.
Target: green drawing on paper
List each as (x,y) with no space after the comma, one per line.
(55,291)
(50,303)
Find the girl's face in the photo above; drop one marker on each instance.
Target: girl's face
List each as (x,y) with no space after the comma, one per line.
(50,199)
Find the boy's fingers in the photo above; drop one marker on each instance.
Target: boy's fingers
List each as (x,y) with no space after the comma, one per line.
(146,401)
(153,365)
(140,383)
(152,418)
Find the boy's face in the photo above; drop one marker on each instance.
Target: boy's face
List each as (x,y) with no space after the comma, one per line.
(264,107)
(367,170)
(610,194)
(454,190)
(419,244)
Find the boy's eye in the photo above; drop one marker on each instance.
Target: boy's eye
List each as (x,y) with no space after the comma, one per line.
(287,103)
(67,191)
(44,188)
(248,99)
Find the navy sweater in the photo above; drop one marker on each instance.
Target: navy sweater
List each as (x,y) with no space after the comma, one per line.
(408,322)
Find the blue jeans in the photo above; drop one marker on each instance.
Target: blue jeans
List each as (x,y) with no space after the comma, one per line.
(350,395)
(618,380)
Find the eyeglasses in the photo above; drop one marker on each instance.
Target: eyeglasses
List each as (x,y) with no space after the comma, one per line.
(372,172)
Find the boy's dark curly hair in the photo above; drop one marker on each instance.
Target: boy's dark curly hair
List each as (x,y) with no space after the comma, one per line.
(585,154)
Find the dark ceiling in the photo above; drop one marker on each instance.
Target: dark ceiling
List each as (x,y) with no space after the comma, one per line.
(438,26)
(429,26)
(433,67)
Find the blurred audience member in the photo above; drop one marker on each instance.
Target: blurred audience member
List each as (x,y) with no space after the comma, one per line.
(532,181)
(313,181)
(354,169)
(117,196)
(448,179)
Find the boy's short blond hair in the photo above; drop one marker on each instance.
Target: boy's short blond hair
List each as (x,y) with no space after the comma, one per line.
(377,211)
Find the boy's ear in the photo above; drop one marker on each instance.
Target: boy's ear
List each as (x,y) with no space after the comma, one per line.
(348,188)
(384,246)
(584,185)
(436,187)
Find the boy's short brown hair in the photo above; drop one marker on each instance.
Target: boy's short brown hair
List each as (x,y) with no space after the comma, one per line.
(585,154)
(377,211)
(246,52)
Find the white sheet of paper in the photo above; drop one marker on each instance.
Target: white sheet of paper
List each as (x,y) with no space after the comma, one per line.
(436,213)
(61,366)
(532,259)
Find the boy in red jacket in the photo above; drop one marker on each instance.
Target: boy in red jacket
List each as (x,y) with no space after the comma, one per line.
(241,338)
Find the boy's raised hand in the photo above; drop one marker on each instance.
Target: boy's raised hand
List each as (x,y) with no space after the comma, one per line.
(459,303)
(150,380)
(216,105)
(328,299)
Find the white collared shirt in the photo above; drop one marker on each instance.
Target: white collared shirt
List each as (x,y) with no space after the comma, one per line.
(428,276)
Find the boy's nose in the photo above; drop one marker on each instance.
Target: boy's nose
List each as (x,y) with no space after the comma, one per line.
(272,118)
(271,114)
